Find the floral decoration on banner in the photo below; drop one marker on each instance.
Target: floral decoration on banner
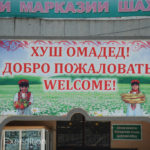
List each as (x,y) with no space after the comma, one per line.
(13,45)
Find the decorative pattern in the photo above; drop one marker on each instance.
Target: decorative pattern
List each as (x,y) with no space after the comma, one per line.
(12,45)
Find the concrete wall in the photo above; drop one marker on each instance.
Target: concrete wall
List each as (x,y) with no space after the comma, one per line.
(42,28)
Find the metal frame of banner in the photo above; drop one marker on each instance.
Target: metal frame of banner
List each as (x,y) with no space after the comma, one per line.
(90,37)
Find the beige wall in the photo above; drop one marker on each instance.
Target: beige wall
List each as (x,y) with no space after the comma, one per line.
(143,144)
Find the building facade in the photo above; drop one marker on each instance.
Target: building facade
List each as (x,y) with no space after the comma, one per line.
(80,127)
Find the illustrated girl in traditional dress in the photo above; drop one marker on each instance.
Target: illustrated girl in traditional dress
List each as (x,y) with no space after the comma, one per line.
(134,109)
(23,97)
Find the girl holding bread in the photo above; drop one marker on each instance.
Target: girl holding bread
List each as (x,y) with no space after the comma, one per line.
(134,109)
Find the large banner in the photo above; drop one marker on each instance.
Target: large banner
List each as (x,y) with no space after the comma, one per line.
(52,77)
(73,8)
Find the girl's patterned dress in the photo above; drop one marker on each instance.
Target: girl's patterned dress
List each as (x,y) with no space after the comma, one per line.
(27,110)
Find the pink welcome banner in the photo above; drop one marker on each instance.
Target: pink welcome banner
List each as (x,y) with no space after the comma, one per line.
(52,77)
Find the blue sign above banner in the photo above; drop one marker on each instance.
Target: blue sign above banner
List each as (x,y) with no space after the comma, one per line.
(74,8)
